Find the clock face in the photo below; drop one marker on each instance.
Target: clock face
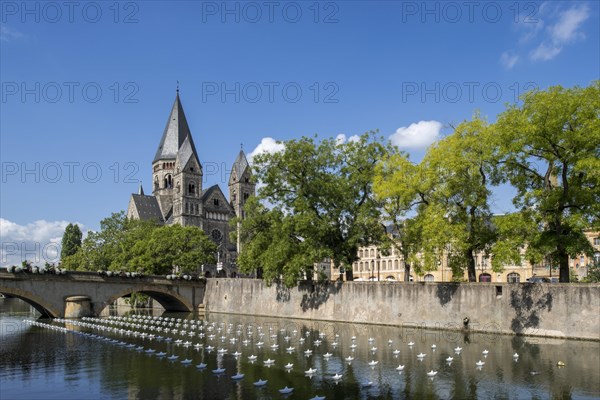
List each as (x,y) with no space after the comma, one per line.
(216,235)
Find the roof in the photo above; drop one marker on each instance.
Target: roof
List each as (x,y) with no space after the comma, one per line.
(206,193)
(240,164)
(176,131)
(147,207)
(186,152)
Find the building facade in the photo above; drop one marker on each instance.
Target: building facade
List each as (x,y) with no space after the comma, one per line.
(374,265)
(179,198)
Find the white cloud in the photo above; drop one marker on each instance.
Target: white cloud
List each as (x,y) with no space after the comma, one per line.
(7,34)
(508,59)
(417,135)
(341,138)
(567,29)
(545,52)
(38,241)
(266,145)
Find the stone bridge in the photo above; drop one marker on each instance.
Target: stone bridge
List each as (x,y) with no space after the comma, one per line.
(79,294)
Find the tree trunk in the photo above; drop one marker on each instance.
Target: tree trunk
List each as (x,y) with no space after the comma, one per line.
(406,272)
(563,259)
(471,266)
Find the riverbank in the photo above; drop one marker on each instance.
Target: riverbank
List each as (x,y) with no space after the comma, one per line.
(547,310)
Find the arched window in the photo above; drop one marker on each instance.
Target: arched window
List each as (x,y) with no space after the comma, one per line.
(485,277)
(383,264)
(361,266)
(429,278)
(513,277)
(395,264)
(168,181)
(372,253)
(156,183)
(191,188)
(361,253)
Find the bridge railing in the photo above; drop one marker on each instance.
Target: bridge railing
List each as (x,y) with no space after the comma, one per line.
(95,277)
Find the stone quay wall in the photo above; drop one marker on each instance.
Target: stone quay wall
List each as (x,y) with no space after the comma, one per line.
(535,309)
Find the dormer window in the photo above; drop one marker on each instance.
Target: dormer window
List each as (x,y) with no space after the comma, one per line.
(216,202)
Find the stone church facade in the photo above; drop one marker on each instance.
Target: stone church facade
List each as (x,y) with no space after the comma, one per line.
(178,197)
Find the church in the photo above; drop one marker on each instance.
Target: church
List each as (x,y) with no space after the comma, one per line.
(178,197)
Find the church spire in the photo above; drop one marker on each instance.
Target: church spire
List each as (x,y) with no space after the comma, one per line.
(175,133)
(141,189)
(239,166)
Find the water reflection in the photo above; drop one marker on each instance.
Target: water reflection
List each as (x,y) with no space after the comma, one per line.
(37,362)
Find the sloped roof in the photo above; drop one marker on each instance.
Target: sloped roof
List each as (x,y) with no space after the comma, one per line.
(186,152)
(176,131)
(206,193)
(147,207)
(240,165)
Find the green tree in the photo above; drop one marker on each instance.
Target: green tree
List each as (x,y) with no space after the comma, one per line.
(548,148)
(458,219)
(71,241)
(101,249)
(322,206)
(186,247)
(448,194)
(402,189)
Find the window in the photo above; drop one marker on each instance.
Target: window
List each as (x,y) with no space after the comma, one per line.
(191,188)
(246,195)
(513,277)
(216,235)
(395,264)
(429,278)
(168,181)
(597,241)
(485,278)
(383,264)
(216,202)
(372,253)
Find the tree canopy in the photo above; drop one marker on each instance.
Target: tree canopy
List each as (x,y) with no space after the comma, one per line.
(326,199)
(71,241)
(548,148)
(321,206)
(122,244)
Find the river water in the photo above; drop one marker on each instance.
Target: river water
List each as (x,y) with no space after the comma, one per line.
(37,362)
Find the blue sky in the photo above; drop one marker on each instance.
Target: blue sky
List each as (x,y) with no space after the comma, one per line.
(86,90)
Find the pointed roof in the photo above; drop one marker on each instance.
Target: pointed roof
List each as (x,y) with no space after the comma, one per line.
(186,152)
(176,131)
(141,190)
(240,165)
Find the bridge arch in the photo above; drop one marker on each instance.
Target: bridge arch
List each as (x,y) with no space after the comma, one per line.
(42,306)
(169,300)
